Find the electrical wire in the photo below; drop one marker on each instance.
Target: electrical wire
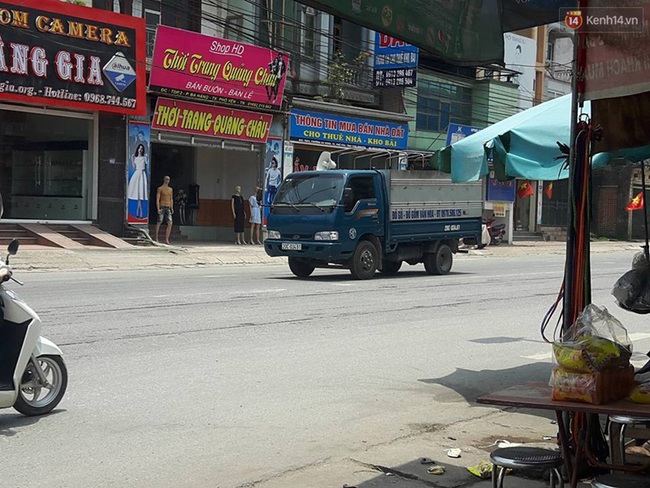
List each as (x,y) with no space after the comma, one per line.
(197,15)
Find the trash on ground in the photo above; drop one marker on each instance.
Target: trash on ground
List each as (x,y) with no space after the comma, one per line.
(483,469)
(454,453)
(548,437)
(501,444)
(426,460)
(436,470)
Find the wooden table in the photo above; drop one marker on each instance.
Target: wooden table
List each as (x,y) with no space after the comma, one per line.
(538,396)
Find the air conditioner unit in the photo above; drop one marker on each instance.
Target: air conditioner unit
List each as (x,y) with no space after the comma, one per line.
(310,11)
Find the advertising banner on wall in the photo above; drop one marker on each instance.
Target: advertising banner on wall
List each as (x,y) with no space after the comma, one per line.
(138,174)
(272,173)
(456,132)
(210,69)
(395,63)
(57,53)
(207,120)
(338,130)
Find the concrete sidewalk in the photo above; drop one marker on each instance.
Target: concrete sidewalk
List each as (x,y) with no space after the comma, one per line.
(399,464)
(193,254)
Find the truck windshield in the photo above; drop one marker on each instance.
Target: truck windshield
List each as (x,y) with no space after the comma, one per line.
(321,189)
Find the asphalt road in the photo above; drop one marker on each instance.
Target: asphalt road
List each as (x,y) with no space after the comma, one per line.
(230,375)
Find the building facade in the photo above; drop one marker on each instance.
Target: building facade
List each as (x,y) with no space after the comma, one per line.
(324,107)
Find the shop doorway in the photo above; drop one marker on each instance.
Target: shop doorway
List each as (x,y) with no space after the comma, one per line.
(174,161)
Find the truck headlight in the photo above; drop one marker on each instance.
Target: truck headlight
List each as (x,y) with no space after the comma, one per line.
(327,235)
(273,234)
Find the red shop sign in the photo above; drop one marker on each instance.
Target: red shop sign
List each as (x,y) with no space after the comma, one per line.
(57,53)
(209,69)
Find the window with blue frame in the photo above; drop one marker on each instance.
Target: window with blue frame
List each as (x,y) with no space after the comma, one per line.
(440,104)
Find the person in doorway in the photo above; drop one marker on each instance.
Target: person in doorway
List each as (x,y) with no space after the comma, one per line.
(138,185)
(239,214)
(165,205)
(273,180)
(256,218)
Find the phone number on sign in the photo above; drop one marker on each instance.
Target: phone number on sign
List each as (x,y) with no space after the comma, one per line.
(113,100)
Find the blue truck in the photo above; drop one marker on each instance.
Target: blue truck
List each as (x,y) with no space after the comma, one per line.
(372,220)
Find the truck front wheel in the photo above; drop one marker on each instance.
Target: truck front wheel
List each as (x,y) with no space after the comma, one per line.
(364,261)
(301,267)
(439,262)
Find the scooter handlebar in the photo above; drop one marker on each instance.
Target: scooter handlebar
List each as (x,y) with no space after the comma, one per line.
(5,274)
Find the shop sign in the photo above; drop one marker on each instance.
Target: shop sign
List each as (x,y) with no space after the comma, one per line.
(501,191)
(210,69)
(395,62)
(391,53)
(499,209)
(394,78)
(207,120)
(456,132)
(57,53)
(338,130)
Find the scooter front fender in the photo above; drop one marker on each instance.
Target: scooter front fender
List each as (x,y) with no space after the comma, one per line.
(45,347)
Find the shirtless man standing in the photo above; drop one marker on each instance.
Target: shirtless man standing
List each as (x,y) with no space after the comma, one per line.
(165,205)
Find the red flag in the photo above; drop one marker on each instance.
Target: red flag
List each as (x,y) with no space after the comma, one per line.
(549,190)
(525,189)
(636,203)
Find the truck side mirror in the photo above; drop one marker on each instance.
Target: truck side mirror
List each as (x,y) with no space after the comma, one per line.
(348,199)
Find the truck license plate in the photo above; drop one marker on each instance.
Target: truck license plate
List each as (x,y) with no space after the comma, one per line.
(291,246)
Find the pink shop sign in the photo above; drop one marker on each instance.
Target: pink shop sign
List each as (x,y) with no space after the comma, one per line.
(214,70)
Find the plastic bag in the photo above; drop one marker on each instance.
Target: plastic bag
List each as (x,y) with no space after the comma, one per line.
(632,290)
(595,342)
(594,388)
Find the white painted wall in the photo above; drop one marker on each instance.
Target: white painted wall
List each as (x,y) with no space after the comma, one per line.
(220,170)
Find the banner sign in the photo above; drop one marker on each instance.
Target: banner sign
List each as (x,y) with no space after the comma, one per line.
(462,31)
(618,61)
(138,174)
(208,120)
(210,69)
(391,53)
(338,130)
(57,53)
(456,132)
(501,191)
(394,78)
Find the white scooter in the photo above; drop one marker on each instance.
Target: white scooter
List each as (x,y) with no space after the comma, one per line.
(33,376)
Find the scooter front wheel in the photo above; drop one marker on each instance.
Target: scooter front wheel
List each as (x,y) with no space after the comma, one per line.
(37,399)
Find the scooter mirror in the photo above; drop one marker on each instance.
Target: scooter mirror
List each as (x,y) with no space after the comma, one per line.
(13,247)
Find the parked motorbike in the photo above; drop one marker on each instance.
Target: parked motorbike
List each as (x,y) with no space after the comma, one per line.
(497,232)
(33,375)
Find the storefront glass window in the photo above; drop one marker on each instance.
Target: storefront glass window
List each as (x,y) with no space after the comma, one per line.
(45,159)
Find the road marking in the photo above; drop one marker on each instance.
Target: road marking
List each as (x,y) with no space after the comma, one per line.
(540,356)
(639,336)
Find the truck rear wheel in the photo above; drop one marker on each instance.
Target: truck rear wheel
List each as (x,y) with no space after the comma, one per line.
(390,268)
(301,267)
(439,262)
(364,261)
